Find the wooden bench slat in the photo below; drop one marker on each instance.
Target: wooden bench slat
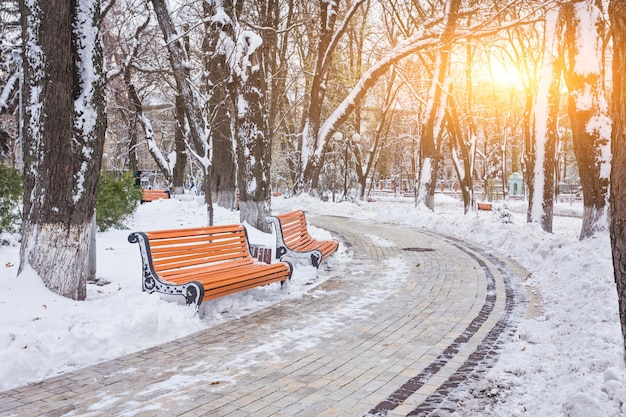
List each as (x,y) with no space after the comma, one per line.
(151,195)
(208,249)
(180,267)
(203,263)
(221,291)
(171,273)
(227,229)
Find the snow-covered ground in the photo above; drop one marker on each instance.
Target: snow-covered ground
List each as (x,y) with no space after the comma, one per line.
(567,359)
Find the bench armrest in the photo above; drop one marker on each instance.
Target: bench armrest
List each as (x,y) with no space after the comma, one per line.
(193,291)
(281,246)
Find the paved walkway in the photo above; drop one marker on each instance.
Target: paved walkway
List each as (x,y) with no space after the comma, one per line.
(394,332)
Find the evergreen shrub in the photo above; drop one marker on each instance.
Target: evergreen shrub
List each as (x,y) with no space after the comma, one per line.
(117,199)
(11,189)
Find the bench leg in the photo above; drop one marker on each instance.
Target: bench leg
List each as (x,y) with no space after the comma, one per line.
(192,291)
(290,274)
(314,257)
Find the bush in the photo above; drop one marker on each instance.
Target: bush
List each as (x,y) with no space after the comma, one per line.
(117,198)
(11,189)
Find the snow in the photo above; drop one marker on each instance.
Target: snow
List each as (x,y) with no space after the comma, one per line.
(566,357)
(588,46)
(542,110)
(425,179)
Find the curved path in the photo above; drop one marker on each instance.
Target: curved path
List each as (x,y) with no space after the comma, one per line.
(393,332)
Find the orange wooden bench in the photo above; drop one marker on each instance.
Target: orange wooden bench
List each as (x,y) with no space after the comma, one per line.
(293,239)
(203,263)
(484,206)
(151,195)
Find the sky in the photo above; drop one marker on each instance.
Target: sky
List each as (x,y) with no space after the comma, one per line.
(565,360)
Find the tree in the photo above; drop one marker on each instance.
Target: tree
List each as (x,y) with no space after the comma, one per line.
(243,52)
(220,108)
(10,75)
(434,113)
(588,109)
(312,146)
(64,126)
(366,161)
(543,147)
(138,74)
(190,100)
(617,199)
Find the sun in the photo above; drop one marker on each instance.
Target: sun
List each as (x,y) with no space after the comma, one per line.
(503,74)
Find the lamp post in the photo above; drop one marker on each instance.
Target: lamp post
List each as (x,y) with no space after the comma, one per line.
(352,141)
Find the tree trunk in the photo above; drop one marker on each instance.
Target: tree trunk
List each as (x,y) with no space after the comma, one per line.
(591,125)
(617,13)
(462,167)
(221,108)
(140,118)
(433,117)
(254,142)
(178,174)
(254,154)
(196,123)
(64,125)
(313,145)
(541,200)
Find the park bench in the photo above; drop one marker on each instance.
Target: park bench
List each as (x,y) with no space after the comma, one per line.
(484,206)
(293,239)
(151,195)
(203,263)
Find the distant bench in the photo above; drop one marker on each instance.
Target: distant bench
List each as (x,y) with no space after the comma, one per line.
(293,239)
(484,206)
(202,263)
(151,195)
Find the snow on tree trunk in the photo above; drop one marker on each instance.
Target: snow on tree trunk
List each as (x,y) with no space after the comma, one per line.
(463,165)
(221,107)
(434,113)
(588,110)
(617,13)
(242,51)
(253,146)
(165,165)
(63,131)
(541,201)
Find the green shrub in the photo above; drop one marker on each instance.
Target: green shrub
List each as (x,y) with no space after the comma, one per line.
(117,198)
(11,189)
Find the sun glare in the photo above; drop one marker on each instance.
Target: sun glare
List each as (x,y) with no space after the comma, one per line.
(503,75)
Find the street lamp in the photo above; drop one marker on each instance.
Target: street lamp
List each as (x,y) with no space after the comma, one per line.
(353,141)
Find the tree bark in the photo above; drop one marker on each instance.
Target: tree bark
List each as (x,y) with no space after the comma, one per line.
(617,13)
(541,200)
(313,145)
(221,110)
(196,123)
(178,174)
(64,126)
(588,111)
(462,167)
(243,53)
(433,117)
